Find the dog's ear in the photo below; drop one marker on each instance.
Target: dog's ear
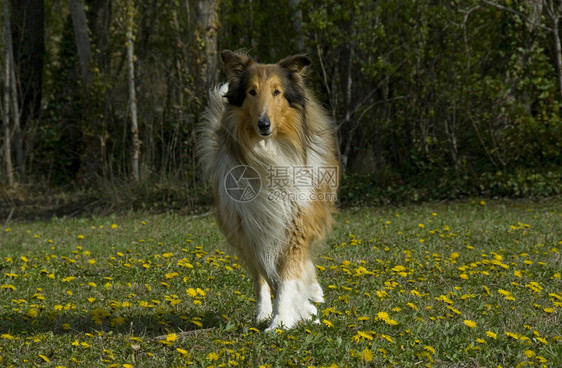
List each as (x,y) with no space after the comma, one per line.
(235,62)
(296,63)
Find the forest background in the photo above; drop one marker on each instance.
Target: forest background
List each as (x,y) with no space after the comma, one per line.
(431,99)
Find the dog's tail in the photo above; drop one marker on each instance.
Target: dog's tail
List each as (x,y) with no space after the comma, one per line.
(208,142)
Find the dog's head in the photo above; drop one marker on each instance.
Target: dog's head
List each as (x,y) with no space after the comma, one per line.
(270,97)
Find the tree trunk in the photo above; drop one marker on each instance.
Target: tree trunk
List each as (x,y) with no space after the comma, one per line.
(82,38)
(135,153)
(206,28)
(555,14)
(18,137)
(7,71)
(349,126)
(297,25)
(28,34)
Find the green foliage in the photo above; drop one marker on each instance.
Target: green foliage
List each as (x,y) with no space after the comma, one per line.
(434,97)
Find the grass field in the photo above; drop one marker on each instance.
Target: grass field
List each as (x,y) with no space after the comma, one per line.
(471,284)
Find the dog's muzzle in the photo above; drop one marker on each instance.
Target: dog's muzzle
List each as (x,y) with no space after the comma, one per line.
(264,125)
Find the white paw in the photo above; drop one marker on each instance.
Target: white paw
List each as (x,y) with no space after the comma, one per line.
(316,293)
(309,311)
(292,304)
(263,316)
(280,323)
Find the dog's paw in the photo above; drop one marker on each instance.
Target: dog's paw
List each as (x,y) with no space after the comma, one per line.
(263,316)
(316,293)
(280,323)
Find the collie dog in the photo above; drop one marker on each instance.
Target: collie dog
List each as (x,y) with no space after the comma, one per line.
(268,150)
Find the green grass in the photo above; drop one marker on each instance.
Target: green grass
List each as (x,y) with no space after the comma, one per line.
(469,284)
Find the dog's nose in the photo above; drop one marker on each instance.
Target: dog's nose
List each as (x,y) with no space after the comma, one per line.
(264,124)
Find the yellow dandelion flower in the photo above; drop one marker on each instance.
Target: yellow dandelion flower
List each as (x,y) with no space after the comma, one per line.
(327,323)
(470,323)
(44,357)
(183,352)
(512,335)
(454,310)
(364,335)
(383,315)
(367,355)
(506,294)
(114,226)
(549,310)
(388,338)
(529,353)
(171,275)
(191,292)
(542,340)
(212,356)
(491,334)
(197,323)
(444,298)
(33,312)
(7,336)
(431,349)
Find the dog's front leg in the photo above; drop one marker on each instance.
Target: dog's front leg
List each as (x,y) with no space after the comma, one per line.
(263,293)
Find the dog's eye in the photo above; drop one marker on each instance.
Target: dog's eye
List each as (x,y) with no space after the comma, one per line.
(276,92)
(253,92)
